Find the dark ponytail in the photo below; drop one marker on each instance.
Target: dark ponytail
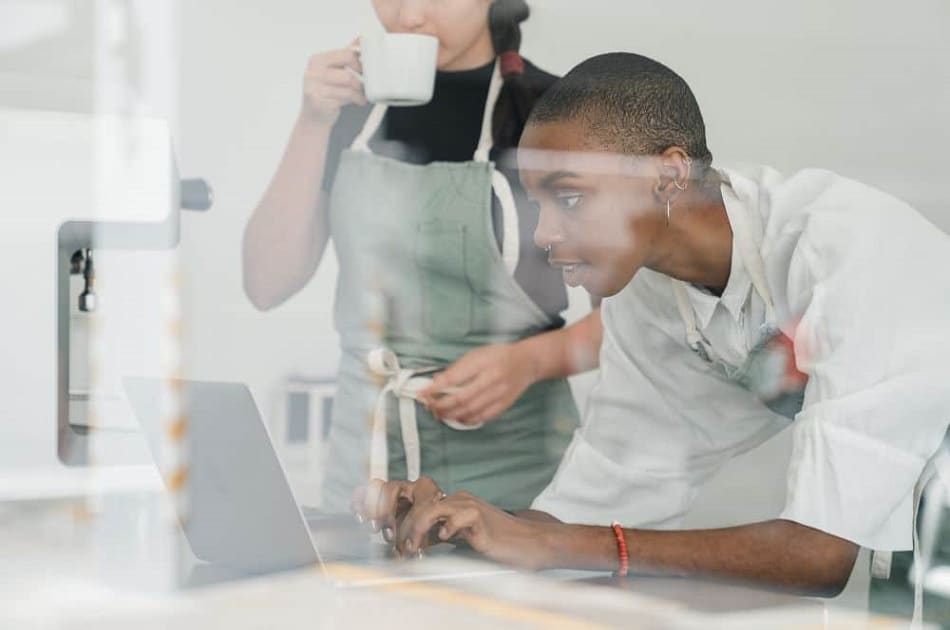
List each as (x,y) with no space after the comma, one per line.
(517,96)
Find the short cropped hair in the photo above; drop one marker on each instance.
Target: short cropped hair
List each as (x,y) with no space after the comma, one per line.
(632,104)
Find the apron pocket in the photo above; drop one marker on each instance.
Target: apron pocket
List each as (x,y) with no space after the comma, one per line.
(444,286)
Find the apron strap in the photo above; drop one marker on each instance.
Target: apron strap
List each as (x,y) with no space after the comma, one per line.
(881,564)
(918,568)
(511,240)
(373,123)
(693,337)
(405,385)
(486,140)
(511,236)
(933,484)
(749,241)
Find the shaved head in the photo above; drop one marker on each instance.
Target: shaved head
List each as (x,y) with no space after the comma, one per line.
(630,104)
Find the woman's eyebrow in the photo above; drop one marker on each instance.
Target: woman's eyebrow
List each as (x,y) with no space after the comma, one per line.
(550,179)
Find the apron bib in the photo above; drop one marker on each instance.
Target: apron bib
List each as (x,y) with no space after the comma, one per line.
(422,282)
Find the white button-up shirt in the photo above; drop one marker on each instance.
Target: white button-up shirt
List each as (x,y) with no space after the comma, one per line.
(861,284)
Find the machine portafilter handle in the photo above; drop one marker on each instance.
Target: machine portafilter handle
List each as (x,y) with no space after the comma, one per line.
(196,194)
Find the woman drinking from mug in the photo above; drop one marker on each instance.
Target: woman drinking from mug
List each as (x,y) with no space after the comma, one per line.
(436,263)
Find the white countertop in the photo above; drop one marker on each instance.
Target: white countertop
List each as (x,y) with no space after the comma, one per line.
(56,575)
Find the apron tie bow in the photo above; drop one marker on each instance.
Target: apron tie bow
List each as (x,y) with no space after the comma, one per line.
(405,385)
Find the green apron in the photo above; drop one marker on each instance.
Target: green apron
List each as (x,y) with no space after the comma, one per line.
(421,275)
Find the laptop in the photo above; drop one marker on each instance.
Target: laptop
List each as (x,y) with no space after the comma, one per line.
(243,517)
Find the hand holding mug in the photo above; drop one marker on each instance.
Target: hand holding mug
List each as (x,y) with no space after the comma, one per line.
(332,80)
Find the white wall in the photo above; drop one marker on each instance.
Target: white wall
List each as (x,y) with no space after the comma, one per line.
(241,68)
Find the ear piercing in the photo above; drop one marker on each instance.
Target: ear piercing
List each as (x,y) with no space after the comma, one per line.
(685,185)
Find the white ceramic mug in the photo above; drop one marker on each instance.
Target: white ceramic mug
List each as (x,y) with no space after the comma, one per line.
(399,68)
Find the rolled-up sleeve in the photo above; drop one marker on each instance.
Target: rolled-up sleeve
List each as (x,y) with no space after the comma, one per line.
(874,341)
(854,483)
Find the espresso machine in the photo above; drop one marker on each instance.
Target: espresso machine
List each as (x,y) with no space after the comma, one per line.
(90,224)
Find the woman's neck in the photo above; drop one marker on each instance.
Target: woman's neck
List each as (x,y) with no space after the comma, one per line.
(477,55)
(698,245)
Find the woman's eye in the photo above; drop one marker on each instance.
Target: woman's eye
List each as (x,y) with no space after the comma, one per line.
(570,201)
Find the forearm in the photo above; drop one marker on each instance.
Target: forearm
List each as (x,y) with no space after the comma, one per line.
(288,230)
(775,553)
(568,351)
(537,516)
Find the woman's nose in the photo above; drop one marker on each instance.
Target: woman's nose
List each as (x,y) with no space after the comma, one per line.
(548,232)
(412,14)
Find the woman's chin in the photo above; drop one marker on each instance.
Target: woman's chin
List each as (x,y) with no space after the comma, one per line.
(605,287)
(575,275)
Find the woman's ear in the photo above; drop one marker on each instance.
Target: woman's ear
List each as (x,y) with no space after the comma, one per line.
(672,173)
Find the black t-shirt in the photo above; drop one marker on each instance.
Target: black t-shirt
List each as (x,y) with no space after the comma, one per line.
(447,129)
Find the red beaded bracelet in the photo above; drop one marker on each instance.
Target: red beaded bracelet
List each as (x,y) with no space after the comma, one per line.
(621,550)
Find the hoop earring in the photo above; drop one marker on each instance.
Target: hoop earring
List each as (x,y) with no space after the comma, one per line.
(686,185)
(667,213)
